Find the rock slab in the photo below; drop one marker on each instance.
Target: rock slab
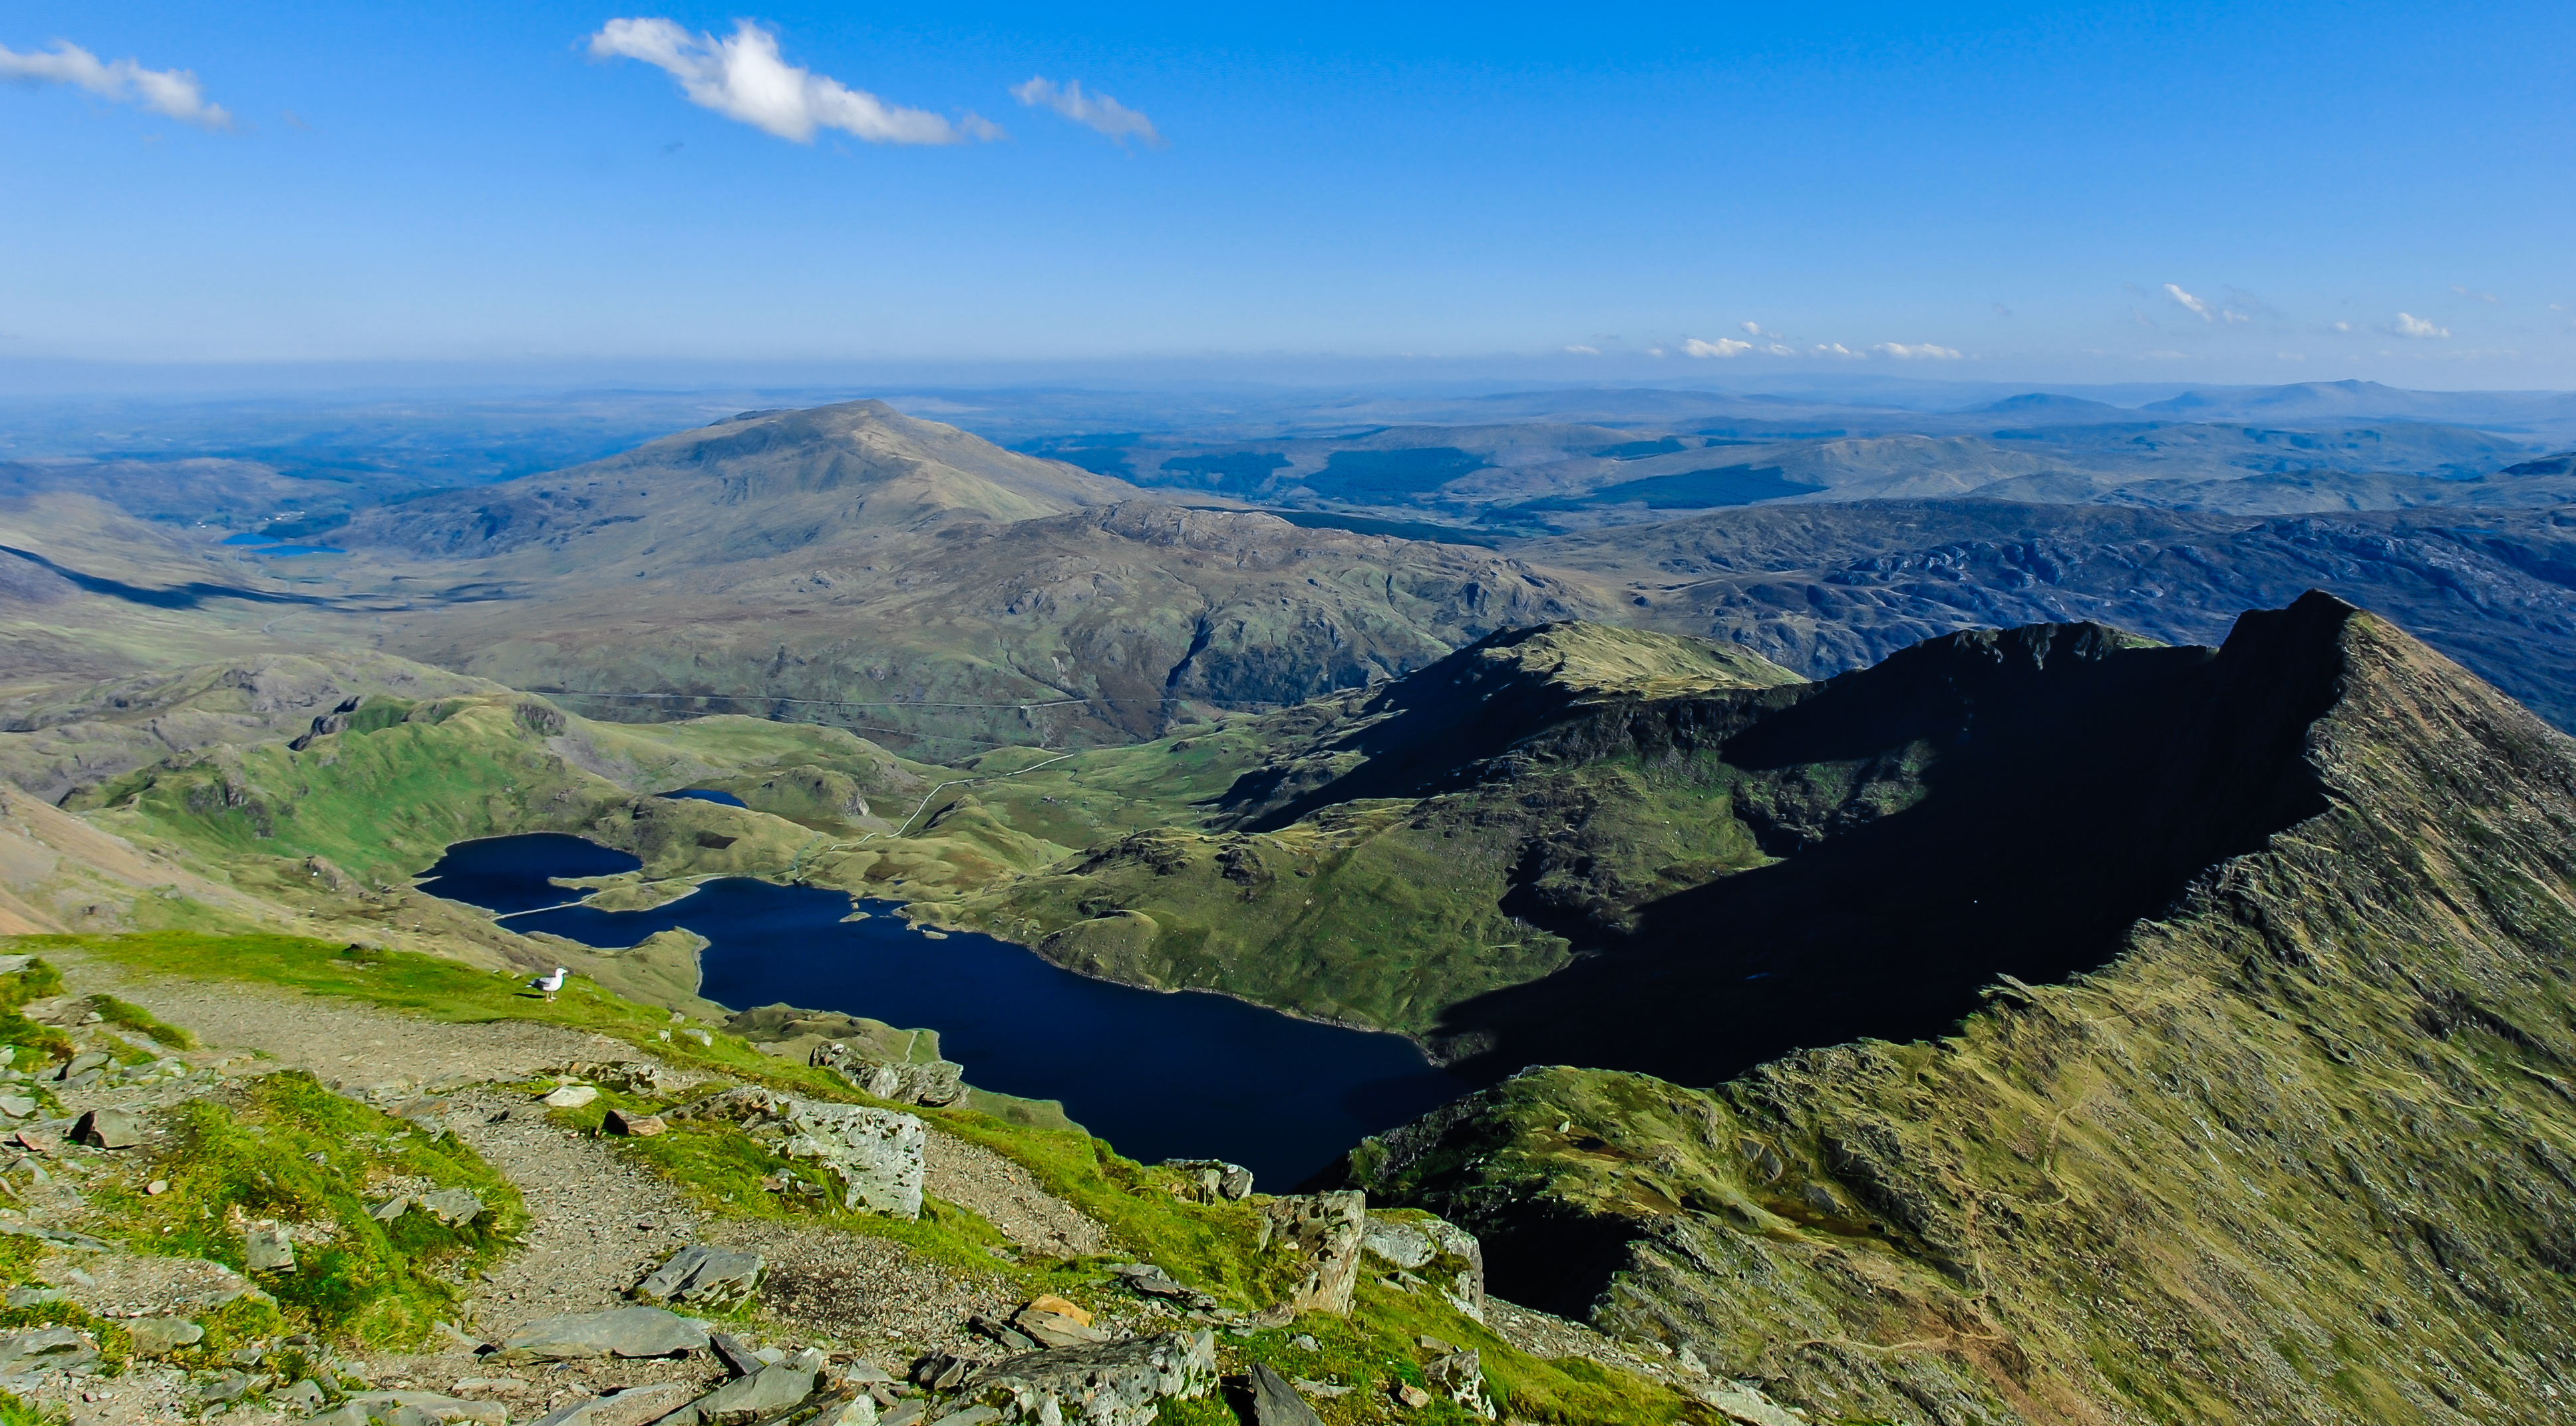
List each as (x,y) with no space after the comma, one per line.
(1276,1403)
(109,1129)
(624,1332)
(1120,1384)
(715,1279)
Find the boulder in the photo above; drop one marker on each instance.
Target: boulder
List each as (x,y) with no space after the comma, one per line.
(44,1349)
(1743,1402)
(1276,1403)
(622,1332)
(160,1336)
(764,1393)
(877,1153)
(79,1065)
(632,1126)
(635,1406)
(1216,1178)
(931,1082)
(1053,1322)
(108,1129)
(17,1106)
(1119,1384)
(452,1206)
(1325,1231)
(1149,1280)
(714,1279)
(1461,1373)
(1421,1241)
(267,1249)
(571,1096)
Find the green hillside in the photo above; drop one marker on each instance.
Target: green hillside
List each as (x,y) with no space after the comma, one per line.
(2302,1151)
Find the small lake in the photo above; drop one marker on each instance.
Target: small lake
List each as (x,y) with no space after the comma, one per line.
(1158,1075)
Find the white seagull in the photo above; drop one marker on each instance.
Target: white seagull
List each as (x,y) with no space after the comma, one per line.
(549,983)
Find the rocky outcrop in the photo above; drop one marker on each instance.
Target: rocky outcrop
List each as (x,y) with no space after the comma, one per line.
(1215,1178)
(876,1153)
(1446,1255)
(1324,1232)
(934,1082)
(1120,1384)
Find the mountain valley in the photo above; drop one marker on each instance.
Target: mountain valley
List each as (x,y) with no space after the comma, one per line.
(2051,912)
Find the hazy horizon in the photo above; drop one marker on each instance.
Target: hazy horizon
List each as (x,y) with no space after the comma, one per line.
(2017,193)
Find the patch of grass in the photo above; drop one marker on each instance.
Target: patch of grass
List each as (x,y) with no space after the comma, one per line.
(35,981)
(286,1150)
(127,1015)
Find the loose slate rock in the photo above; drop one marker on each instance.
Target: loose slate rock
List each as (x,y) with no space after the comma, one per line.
(109,1129)
(713,1278)
(160,1336)
(625,1332)
(452,1206)
(571,1096)
(44,1349)
(1276,1403)
(267,1250)
(770,1390)
(635,1406)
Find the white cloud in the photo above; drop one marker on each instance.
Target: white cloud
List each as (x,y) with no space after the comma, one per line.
(2488,298)
(1924,351)
(1753,329)
(1585,351)
(1722,347)
(174,92)
(2188,302)
(2232,315)
(1835,349)
(1097,111)
(2343,326)
(2409,325)
(743,78)
(1654,351)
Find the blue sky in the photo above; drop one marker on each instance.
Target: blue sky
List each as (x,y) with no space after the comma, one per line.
(2064,193)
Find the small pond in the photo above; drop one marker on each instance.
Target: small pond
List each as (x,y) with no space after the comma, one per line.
(1159,1076)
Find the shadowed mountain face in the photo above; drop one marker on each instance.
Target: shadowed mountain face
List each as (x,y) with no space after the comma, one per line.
(2300,1147)
(1983,804)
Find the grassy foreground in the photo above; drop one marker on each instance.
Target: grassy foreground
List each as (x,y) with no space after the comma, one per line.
(252,1157)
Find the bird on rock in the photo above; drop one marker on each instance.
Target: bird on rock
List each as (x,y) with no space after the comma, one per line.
(550,983)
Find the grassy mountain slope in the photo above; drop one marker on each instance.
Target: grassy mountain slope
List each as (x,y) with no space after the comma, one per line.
(1369,866)
(1086,627)
(2305,1151)
(759,484)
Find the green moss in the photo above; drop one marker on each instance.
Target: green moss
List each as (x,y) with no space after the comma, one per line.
(284,1149)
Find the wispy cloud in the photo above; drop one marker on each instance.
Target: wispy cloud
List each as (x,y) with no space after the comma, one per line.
(2188,302)
(1922,352)
(2410,325)
(174,92)
(1584,351)
(1722,347)
(1096,111)
(2488,298)
(743,77)
(1836,349)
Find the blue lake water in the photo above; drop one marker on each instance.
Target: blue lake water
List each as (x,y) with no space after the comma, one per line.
(1159,1076)
(705,794)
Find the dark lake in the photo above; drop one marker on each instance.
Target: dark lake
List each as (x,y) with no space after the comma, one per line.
(1159,1076)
